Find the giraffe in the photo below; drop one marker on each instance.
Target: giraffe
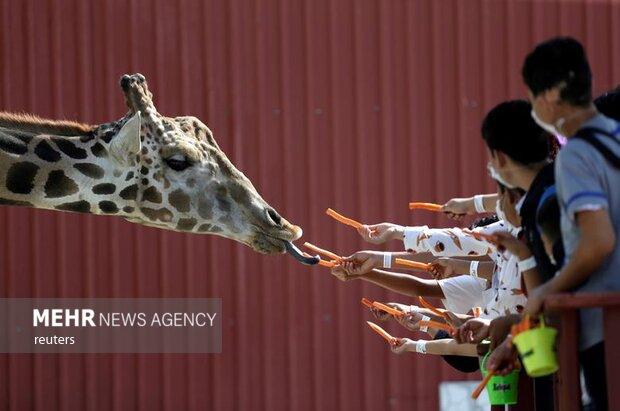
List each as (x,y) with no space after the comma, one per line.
(150,169)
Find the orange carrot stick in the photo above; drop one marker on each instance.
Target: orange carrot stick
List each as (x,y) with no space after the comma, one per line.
(430,306)
(388,309)
(343,219)
(366,302)
(483,383)
(412,264)
(425,206)
(324,263)
(437,325)
(381,332)
(318,250)
(526,323)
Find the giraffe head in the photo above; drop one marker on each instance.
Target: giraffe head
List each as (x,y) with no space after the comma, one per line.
(176,177)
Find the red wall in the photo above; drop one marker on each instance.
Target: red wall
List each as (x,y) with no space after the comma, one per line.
(359,105)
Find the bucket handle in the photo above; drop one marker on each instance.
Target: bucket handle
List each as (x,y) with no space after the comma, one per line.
(542,321)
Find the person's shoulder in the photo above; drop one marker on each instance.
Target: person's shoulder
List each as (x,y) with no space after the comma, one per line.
(603,122)
(576,148)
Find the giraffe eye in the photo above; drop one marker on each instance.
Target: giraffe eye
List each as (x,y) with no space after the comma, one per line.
(178,162)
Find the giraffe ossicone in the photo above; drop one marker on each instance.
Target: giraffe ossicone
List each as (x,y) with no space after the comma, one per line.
(164,172)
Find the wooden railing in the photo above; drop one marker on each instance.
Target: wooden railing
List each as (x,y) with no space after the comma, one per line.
(565,306)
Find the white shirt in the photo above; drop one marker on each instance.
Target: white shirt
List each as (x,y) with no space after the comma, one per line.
(463,292)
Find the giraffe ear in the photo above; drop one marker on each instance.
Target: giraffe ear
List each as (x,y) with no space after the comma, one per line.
(127,142)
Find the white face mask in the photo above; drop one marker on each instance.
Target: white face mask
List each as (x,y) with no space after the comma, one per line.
(549,128)
(519,204)
(497,177)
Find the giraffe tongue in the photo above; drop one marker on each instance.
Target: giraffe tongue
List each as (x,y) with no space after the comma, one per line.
(299,256)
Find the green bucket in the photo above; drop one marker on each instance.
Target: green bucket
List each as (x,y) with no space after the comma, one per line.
(502,389)
(537,350)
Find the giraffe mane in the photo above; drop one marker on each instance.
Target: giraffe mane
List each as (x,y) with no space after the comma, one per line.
(37,125)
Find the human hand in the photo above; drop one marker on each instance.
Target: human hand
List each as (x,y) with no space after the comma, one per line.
(403,345)
(362,262)
(457,208)
(380,233)
(503,359)
(384,316)
(506,241)
(441,268)
(472,331)
(411,320)
(536,299)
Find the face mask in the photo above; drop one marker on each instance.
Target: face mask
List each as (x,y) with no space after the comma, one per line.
(497,177)
(500,214)
(549,128)
(519,204)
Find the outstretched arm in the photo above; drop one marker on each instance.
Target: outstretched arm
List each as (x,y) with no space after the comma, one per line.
(446,267)
(446,346)
(405,284)
(457,208)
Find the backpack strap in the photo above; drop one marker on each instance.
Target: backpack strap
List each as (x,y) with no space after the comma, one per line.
(588,134)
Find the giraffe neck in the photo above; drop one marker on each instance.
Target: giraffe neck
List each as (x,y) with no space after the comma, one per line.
(64,173)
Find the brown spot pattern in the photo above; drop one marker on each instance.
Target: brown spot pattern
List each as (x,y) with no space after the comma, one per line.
(179,200)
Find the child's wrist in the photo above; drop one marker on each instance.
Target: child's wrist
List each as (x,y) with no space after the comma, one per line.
(397,232)
(419,346)
(387,260)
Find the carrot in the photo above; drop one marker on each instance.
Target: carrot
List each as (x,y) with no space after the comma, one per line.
(437,325)
(526,323)
(425,206)
(430,306)
(326,253)
(343,219)
(381,332)
(388,309)
(366,302)
(412,264)
(483,383)
(477,311)
(328,264)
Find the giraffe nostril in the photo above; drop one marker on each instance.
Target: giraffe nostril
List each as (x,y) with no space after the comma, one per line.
(274,217)
(125,80)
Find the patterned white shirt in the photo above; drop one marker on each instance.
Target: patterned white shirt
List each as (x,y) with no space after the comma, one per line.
(505,295)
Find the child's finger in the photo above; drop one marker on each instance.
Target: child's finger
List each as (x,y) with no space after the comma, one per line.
(378,314)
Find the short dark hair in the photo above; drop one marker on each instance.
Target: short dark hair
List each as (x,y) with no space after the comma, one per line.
(548,218)
(484,221)
(560,60)
(608,103)
(510,129)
